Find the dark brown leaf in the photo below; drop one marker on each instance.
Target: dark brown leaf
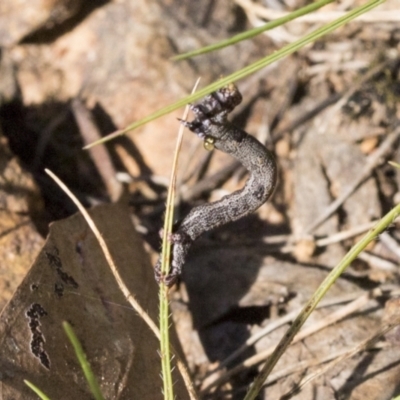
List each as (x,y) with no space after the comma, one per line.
(71,281)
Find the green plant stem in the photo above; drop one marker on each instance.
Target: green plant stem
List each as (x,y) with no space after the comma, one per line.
(255,31)
(36,390)
(164,303)
(90,378)
(286,50)
(165,266)
(163,293)
(164,344)
(316,298)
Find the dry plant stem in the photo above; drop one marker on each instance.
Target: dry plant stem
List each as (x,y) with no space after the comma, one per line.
(316,298)
(334,238)
(344,95)
(365,345)
(372,161)
(344,235)
(197,171)
(280,322)
(378,262)
(390,243)
(250,69)
(99,155)
(272,122)
(306,116)
(302,366)
(131,166)
(320,16)
(129,297)
(211,182)
(336,316)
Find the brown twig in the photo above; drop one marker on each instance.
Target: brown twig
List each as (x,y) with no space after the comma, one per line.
(375,159)
(336,316)
(99,154)
(364,345)
(210,183)
(320,16)
(342,96)
(274,325)
(390,243)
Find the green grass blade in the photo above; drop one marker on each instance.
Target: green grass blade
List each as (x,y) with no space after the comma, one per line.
(318,295)
(36,390)
(90,378)
(168,389)
(165,266)
(254,32)
(285,51)
(165,354)
(163,296)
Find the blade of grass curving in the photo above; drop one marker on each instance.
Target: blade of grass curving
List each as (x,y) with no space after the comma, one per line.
(81,356)
(254,32)
(165,266)
(36,390)
(286,50)
(317,296)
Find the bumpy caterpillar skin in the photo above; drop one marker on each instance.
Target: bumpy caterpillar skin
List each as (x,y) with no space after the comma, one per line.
(212,126)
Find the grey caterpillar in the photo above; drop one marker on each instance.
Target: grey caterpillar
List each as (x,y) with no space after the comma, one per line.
(211,124)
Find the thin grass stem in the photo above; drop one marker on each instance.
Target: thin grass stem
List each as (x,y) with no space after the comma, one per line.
(285,51)
(165,266)
(36,390)
(254,32)
(81,356)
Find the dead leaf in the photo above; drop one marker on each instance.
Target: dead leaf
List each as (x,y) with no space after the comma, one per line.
(71,281)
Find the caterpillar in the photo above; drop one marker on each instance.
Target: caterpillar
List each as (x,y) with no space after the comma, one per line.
(211,124)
